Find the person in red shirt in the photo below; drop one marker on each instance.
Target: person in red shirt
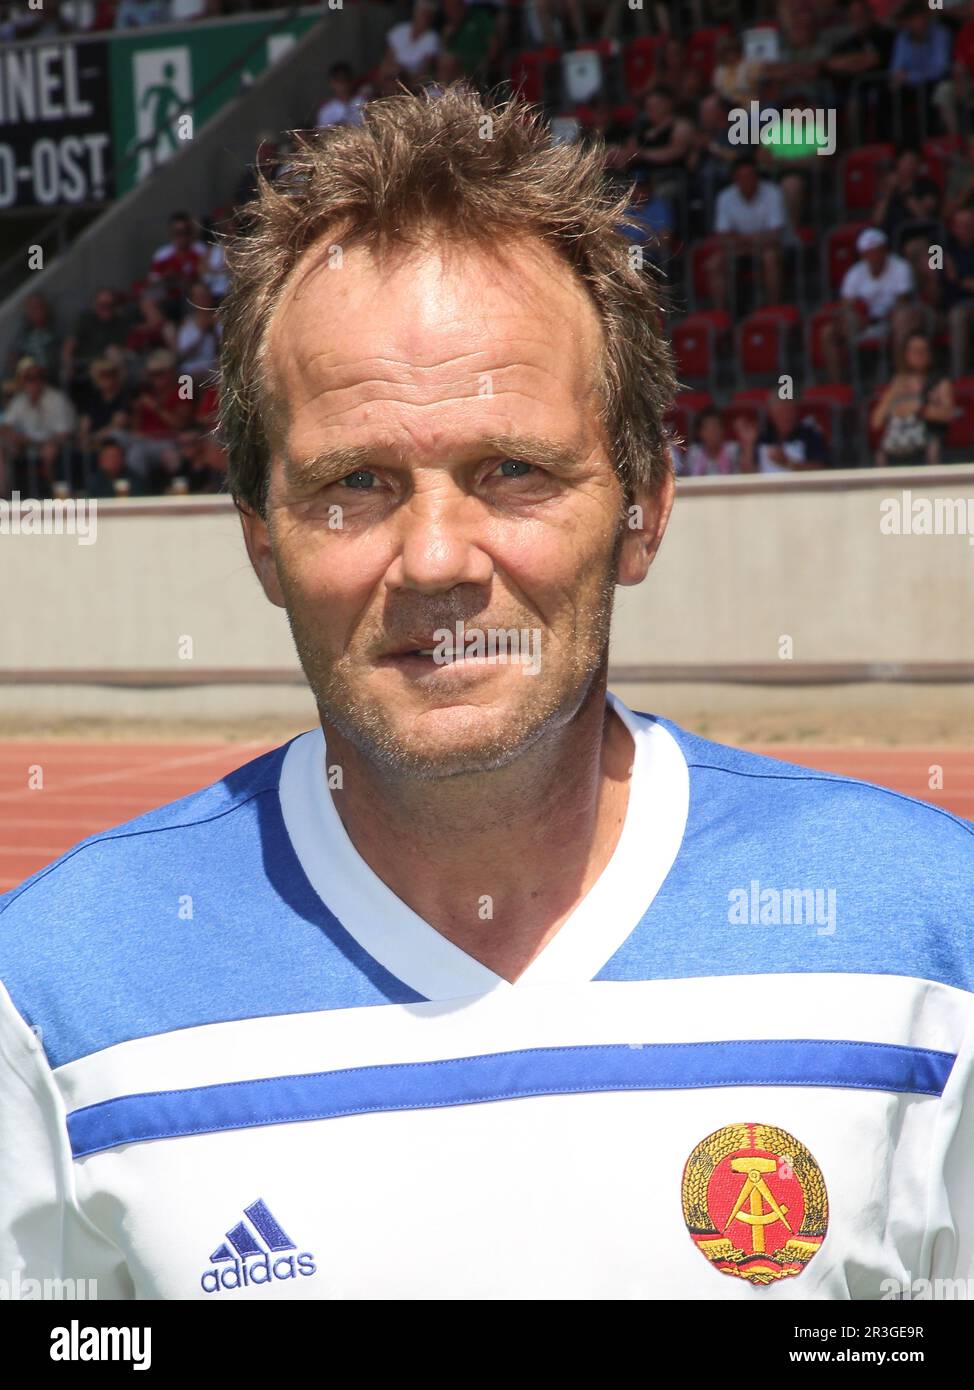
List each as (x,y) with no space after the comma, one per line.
(176,266)
(161,413)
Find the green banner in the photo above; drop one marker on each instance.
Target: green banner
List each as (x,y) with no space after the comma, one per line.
(152,76)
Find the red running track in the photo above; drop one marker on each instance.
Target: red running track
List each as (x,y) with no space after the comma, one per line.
(89,786)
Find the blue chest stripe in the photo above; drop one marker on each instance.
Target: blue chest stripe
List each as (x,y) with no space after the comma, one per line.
(492,1076)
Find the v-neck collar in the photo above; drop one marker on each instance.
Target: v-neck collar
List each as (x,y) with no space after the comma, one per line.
(414,951)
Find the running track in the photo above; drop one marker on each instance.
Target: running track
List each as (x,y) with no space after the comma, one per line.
(89,786)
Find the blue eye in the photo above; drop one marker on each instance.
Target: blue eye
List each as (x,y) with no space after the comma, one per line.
(516,463)
(356,479)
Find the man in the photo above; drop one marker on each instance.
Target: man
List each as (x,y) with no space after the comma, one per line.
(921,60)
(176,266)
(751,221)
(876,292)
(453,997)
(159,415)
(105,325)
(37,337)
(36,429)
(341,108)
(785,443)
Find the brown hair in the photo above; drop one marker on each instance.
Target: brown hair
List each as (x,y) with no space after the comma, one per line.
(452,166)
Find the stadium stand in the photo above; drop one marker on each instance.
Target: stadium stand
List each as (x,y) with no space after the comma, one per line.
(782,267)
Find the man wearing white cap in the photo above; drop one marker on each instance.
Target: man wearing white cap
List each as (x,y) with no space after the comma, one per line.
(880,282)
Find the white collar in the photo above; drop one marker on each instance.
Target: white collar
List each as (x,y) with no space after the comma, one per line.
(415,952)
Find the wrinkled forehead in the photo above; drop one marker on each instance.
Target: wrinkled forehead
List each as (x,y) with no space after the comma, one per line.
(438,302)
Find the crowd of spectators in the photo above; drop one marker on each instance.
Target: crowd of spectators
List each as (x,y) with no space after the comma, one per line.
(19,20)
(124,399)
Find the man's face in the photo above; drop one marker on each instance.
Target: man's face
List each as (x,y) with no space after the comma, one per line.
(181,234)
(784,413)
(875,258)
(104,304)
(449,373)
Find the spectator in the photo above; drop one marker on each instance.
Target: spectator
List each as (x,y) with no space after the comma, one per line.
(655,222)
(662,141)
(413,45)
(37,337)
(152,329)
(803,51)
(864,52)
(38,425)
(711,452)
(204,463)
(876,289)
(711,159)
(960,177)
(197,338)
(342,107)
(162,411)
(921,57)
(915,409)
(909,213)
(786,443)
(476,32)
(958,288)
(139,14)
(907,196)
(683,78)
(104,405)
(176,265)
(750,219)
(111,476)
(555,23)
(106,324)
(736,78)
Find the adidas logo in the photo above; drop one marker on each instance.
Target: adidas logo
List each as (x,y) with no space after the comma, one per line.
(243,1259)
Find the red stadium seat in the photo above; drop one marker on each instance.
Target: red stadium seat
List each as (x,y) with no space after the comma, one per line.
(764,339)
(840,254)
(697,341)
(639,62)
(814,356)
(861,171)
(529,71)
(702,50)
(701,253)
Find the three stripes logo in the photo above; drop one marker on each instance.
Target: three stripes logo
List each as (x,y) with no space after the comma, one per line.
(247,1255)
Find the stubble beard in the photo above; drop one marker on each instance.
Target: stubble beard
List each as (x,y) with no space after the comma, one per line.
(366,725)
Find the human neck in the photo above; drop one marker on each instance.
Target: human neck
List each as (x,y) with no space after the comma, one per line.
(497,861)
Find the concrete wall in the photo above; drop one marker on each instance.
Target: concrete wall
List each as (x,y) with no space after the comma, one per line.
(103,627)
